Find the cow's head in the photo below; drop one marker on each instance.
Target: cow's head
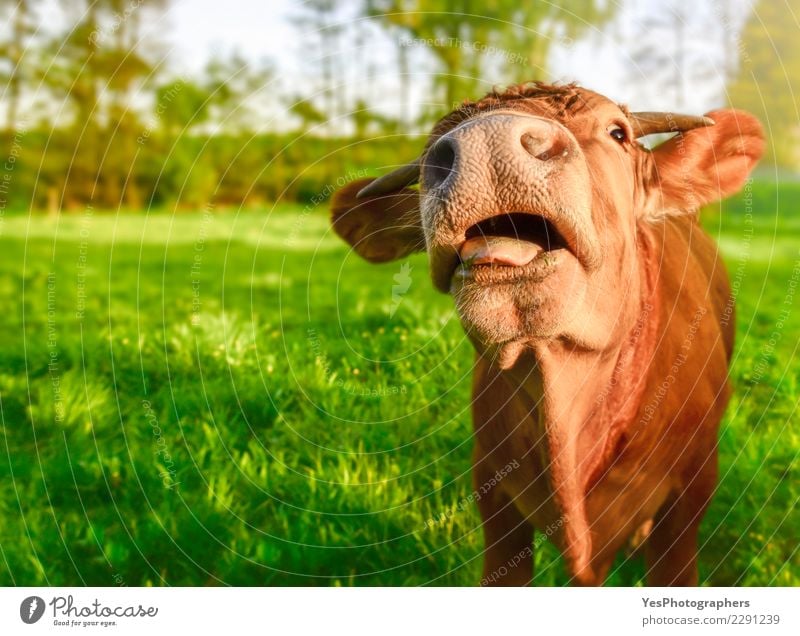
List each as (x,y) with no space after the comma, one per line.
(530,202)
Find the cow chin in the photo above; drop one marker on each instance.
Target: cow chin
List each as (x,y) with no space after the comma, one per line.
(497,314)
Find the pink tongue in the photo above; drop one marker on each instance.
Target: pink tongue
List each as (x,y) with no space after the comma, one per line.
(501,250)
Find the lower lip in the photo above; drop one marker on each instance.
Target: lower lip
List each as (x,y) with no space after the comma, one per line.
(538,269)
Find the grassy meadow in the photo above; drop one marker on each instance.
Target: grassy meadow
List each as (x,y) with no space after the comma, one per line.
(232,397)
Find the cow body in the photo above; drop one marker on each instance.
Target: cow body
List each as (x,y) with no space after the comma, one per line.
(599,309)
(646,449)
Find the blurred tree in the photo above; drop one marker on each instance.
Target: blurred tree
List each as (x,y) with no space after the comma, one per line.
(538,26)
(490,42)
(322,29)
(669,46)
(15,73)
(404,78)
(661,64)
(237,92)
(189,103)
(768,82)
(125,70)
(73,73)
(185,175)
(99,67)
(206,130)
(365,118)
(449,29)
(308,114)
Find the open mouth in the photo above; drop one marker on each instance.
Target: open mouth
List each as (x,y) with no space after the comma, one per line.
(512,240)
(512,247)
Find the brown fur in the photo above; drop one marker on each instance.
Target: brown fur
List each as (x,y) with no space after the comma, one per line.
(635,465)
(606,380)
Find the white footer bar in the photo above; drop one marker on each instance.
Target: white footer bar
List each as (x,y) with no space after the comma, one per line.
(407,611)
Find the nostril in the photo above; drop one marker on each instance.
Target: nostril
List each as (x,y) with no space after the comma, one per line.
(439,162)
(544,148)
(534,145)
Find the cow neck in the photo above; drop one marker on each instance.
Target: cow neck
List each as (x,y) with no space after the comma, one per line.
(584,401)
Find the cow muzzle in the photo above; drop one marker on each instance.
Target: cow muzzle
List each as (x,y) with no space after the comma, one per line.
(506,196)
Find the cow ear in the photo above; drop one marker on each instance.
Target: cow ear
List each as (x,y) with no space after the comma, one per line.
(380,228)
(703,165)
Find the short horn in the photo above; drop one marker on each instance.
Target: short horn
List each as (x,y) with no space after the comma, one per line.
(396,180)
(650,123)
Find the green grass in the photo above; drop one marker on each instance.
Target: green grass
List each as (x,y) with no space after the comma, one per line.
(236,399)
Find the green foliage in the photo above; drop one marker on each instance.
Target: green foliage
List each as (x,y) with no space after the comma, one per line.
(769,80)
(463,35)
(236,398)
(190,171)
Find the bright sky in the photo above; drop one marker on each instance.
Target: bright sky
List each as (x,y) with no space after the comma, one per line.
(258,28)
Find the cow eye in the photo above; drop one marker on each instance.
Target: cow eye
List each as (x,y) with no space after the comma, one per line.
(617,133)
